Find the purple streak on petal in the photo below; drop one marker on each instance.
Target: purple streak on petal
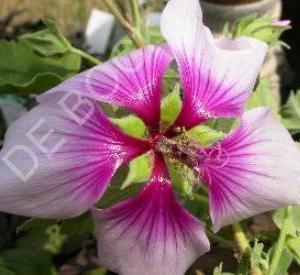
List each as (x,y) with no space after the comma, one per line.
(68,180)
(151,233)
(254,169)
(133,81)
(217,75)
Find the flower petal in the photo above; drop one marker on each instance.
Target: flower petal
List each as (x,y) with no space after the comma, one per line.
(254,170)
(151,233)
(217,75)
(133,81)
(57,162)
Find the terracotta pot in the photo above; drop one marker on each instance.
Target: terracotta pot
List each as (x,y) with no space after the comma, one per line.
(219,12)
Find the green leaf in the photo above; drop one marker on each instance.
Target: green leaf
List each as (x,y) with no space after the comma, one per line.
(4,270)
(122,47)
(48,42)
(223,125)
(11,108)
(153,35)
(41,234)
(171,80)
(258,258)
(293,222)
(24,71)
(262,28)
(115,194)
(139,171)
(78,225)
(263,96)
(171,106)
(256,254)
(34,224)
(180,176)
(291,113)
(285,261)
(243,267)
(24,261)
(45,43)
(53,28)
(205,135)
(131,124)
(294,246)
(125,45)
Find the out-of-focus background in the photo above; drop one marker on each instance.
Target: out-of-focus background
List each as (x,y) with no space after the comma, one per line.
(70,15)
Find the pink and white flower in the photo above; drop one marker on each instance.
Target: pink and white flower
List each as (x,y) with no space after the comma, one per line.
(58,160)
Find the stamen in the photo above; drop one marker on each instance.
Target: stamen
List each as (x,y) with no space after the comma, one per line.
(182,150)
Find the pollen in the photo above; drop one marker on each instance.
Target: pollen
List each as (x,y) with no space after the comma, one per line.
(181,149)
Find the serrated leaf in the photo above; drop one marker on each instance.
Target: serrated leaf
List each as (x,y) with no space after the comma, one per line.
(23,71)
(131,124)
(205,135)
(263,96)
(258,258)
(291,113)
(139,171)
(256,254)
(171,106)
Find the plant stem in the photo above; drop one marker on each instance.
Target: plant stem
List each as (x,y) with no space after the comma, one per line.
(117,13)
(128,10)
(86,56)
(243,246)
(281,242)
(136,38)
(137,15)
(241,240)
